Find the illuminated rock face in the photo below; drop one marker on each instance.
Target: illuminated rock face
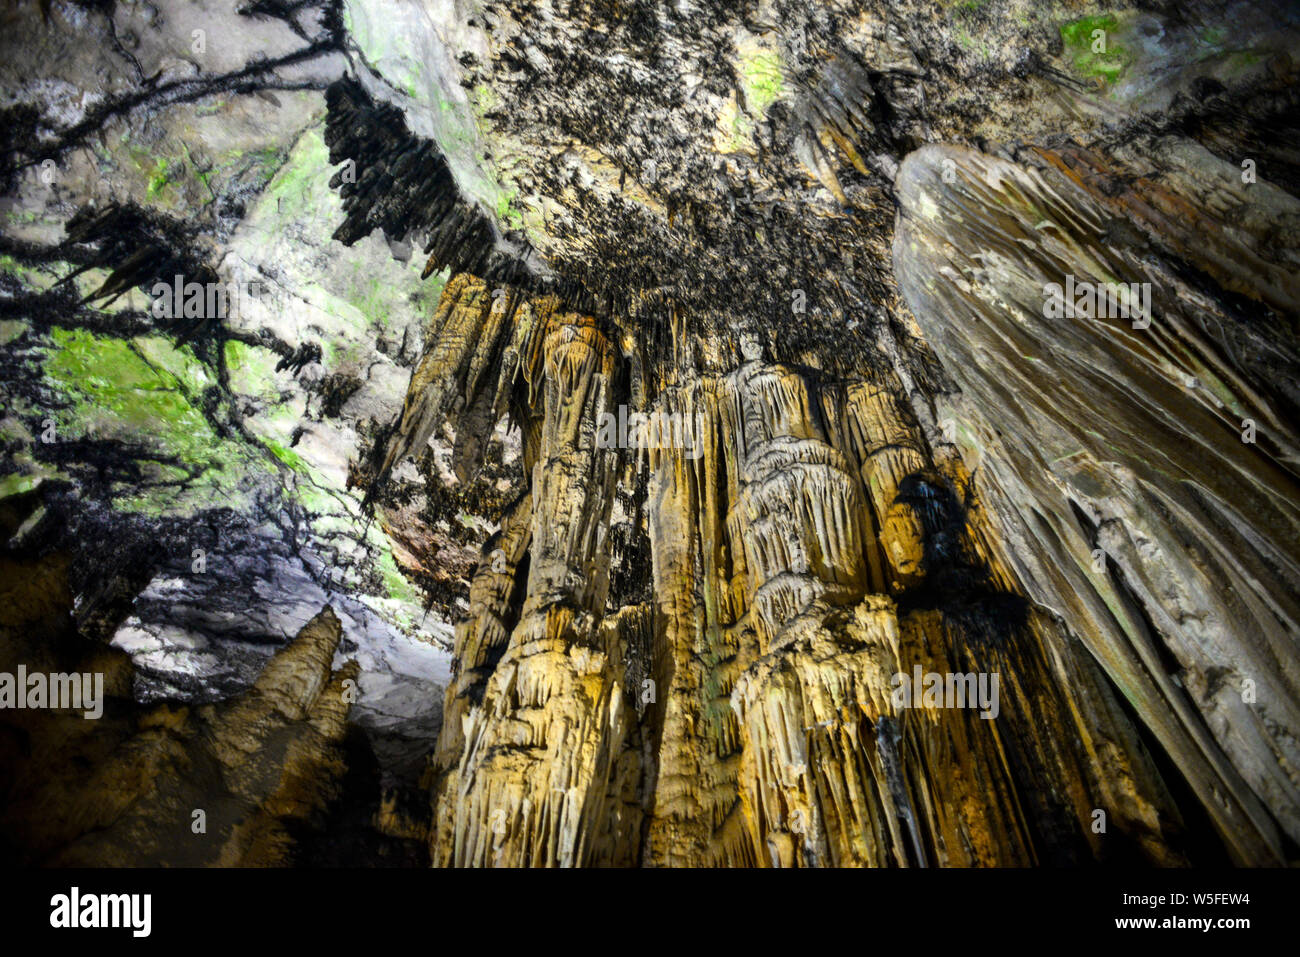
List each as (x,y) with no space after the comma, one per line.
(805,550)
(926,447)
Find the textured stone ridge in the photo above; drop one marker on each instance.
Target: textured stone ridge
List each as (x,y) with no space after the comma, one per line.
(1139,453)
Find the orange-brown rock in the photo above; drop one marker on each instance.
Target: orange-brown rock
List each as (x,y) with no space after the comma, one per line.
(126,788)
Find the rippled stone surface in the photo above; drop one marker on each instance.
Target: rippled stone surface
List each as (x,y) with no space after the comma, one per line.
(1148,470)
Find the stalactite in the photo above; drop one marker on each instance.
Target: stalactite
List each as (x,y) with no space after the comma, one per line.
(806,549)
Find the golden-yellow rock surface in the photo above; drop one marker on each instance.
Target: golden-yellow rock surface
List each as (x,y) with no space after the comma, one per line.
(806,547)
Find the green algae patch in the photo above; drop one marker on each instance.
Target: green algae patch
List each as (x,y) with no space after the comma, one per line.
(1242,61)
(380,300)
(1102,57)
(363,293)
(369,296)
(506,212)
(179,363)
(158,179)
(457,125)
(761,78)
(394,581)
(139,393)
(736,129)
(22,217)
(760,82)
(484,100)
(19,484)
(111,379)
(33,277)
(301,183)
(251,370)
(288,456)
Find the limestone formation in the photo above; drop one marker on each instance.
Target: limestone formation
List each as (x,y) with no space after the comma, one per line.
(806,552)
(231,784)
(763,434)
